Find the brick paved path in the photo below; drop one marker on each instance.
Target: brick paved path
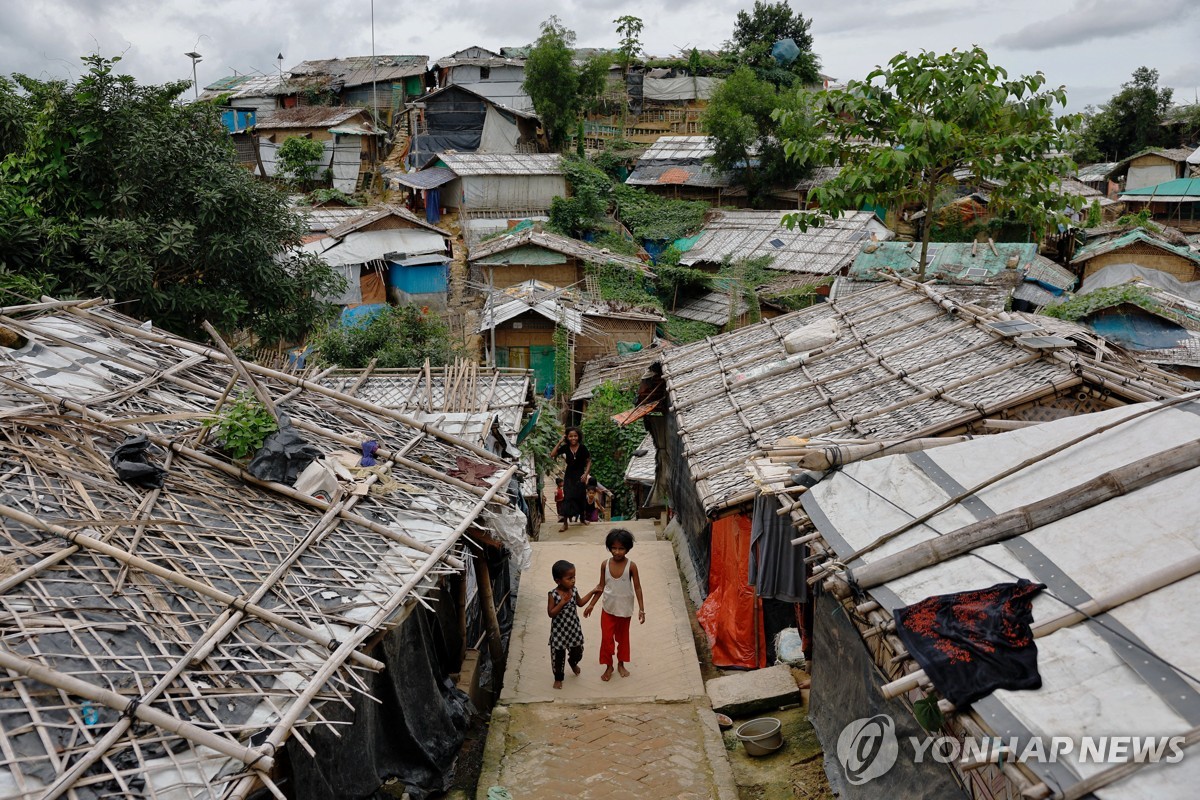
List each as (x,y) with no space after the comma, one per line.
(651,735)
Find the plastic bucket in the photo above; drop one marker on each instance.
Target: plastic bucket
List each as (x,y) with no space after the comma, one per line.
(760,737)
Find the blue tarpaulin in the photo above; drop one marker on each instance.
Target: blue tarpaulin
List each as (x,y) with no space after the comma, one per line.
(361,315)
(433,202)
(1138,331)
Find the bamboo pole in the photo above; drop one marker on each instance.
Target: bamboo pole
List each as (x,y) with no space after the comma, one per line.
(293,380)
(362,378)
(236,472)
(495,642)
(1040,457)
(117,554)
(830,456)
(1147,584)
(118,702)
(260,391)
(285,725)
(1106,486)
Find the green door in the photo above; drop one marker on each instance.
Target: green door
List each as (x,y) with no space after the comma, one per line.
(541,361)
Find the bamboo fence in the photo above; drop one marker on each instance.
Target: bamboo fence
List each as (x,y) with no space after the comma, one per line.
(152,636)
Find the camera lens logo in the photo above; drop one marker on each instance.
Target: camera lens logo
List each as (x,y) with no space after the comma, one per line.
(867,748)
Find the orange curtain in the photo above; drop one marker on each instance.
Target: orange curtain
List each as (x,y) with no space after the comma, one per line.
(731,615)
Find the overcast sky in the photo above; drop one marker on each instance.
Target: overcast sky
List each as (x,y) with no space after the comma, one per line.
(1091,46)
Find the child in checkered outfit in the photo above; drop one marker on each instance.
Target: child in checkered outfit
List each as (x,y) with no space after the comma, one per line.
(566,635)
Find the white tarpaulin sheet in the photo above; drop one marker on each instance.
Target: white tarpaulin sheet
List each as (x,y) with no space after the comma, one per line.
(679,88)
(1090,685)
(500,134)
(364,246)
(512,191)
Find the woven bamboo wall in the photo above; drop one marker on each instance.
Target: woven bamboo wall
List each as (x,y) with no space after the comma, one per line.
(512,274)
(604,343)
(1147,256)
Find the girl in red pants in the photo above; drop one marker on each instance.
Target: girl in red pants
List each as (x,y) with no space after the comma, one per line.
(620,584)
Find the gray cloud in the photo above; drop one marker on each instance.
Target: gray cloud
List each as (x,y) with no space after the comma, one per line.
(1089,20)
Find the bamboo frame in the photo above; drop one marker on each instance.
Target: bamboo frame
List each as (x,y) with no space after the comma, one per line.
(192,568)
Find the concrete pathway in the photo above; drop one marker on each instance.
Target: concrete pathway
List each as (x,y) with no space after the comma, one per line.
(652,734)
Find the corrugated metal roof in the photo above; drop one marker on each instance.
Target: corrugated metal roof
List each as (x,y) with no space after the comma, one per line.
(465,164)
(624,369)
(424,179)
(324,219)
(1096,172)
(822,250)
(952,260)
(552,302)
(1171,191)
(360,70)
(307,117)
(699,175)
(236,86)
(481,57)
(678,149)
(642,469)
(490,249)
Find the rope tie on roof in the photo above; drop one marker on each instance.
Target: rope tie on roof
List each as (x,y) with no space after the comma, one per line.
(62,406)
(261,756)
(334,644)
(130,712)
(901,374)
(981,409)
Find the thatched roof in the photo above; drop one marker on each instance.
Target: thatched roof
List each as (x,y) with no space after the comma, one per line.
(461,388)
(907,362)
(823,249)
(509,248)
(118,594)
(625,369)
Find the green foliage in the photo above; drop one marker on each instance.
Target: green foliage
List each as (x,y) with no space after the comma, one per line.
(629,28)
(611,445)
(802,297)
(1095,215)
(330,195)
(741,119)
(754,34)
(616,241)
(1128,123)
(742,277)
(546,433)
(674,280)
(902,132)
(299,159)
(620,284)
(564,371)
(1081,306)
(398,337)
(655,218)
(928,715)
(1141,219)
(559,89)
(685,331)
(243,426)
(583,211)
(112,189)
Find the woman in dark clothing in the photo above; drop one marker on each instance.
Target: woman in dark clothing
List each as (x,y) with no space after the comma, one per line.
(579,469)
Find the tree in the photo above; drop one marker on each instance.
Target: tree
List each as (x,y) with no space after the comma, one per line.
(901,134)
(113,189)
(397,337)
(756,32)
(740,119)
(1128,123)
(629,28)
(559,89)
(299,159)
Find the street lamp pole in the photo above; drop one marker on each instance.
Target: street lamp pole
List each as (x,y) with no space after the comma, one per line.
(195,57)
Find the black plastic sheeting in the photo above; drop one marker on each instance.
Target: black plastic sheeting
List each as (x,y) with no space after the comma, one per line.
(415,731)
(846,687)
(129,460)
(283,456)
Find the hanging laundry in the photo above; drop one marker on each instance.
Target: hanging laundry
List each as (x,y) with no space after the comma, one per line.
(972,643)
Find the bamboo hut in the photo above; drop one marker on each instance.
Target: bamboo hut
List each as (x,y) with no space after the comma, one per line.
(895,362)
(1100,509)
(179,624)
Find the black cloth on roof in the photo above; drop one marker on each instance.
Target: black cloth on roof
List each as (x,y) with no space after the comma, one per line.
(972,643)
(283,456)
(129,460)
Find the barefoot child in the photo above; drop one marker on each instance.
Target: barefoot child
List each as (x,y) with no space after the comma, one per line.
(560,496)
(566,636)
(620,584)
